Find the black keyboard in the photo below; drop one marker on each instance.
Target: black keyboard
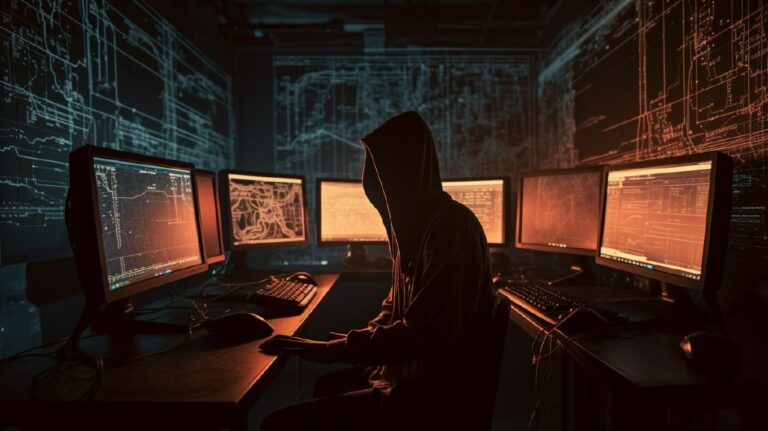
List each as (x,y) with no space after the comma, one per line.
(547,303)
(283,293)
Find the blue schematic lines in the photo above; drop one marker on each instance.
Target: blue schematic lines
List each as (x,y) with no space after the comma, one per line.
(114,74)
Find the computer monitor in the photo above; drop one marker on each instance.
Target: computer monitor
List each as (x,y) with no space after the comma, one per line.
(559,210)
(263,209)
(345,215)
(133,222)
(210,216)
(487,198)
(668,219)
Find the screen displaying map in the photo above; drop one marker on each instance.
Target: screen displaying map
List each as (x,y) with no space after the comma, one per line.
(266,210)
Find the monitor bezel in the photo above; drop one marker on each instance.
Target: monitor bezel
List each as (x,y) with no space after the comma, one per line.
(506,204)
(719,206)
(319,216)
(216,201)
(599,169)
(135,288)
(227,216)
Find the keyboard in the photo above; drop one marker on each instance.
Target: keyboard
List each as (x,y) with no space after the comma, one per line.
(281,293)
(547,303)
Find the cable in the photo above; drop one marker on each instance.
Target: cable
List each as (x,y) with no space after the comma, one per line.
(55,383)
(73,366)
(540,393)
(24,353)
(538,357)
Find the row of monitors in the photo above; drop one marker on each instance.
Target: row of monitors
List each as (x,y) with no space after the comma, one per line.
(653,218)
(149,221)
(344,214)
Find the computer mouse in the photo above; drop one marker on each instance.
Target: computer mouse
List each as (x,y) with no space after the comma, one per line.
(239,326)
(711,352)
(302,277)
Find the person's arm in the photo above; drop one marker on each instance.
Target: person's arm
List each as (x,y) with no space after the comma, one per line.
(385,314)
(445,303)
(447,300)
(332,350)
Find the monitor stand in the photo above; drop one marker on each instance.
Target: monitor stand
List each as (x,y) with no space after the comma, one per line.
(686,309)
(118,317)
(236,268)
(356,257)
(580,274)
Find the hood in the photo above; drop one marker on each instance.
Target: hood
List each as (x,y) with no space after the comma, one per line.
(401,178)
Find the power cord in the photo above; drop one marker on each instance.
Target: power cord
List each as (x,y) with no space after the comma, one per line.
(537,358)
(77,376)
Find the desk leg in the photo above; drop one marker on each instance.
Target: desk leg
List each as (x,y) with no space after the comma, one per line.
(566,396)
(584,393)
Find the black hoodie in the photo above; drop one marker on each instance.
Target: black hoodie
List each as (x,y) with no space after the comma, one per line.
(430,332)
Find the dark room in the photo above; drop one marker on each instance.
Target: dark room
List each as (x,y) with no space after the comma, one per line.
(400,215)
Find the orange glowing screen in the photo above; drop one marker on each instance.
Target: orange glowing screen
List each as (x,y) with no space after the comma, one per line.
(560,211)
(148,220)
(486,200)
(656,217)
(346,215)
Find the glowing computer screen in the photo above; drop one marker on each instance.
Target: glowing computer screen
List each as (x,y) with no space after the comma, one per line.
(486,200)
(346,215)
(210,222)
(655,218)
(148,220)
(559,210)
(266,209)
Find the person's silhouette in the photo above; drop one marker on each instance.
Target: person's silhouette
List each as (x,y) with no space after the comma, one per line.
(425,349)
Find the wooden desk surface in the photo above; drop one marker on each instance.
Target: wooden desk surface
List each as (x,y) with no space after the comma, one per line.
(202,381)
(647,360)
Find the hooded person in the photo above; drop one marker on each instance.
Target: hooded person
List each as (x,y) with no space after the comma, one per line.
(424,350)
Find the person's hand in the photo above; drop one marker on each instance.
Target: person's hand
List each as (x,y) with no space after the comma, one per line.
(312,350)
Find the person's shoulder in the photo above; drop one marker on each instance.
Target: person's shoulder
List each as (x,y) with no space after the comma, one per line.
(456,218)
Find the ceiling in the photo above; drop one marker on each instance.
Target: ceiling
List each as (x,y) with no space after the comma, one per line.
(369,24)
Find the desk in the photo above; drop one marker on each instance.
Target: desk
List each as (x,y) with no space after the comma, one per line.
(201,383)
(641,371)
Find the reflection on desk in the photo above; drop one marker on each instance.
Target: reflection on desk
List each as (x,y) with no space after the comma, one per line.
(201,382)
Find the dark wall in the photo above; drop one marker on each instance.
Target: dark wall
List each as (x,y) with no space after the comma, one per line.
(152,78)
(253,81)
(623,81)
(634,80)
(304,113)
